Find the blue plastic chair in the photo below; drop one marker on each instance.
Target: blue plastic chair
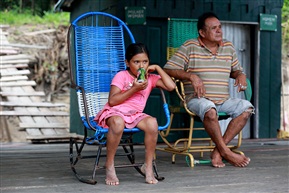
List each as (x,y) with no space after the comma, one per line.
(97,42)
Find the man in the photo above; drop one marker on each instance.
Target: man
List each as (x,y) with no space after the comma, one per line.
(208,62)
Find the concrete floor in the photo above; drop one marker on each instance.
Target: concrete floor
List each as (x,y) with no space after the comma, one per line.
(37,168)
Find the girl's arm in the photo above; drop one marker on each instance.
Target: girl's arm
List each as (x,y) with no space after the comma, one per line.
(116,96)
(166,81)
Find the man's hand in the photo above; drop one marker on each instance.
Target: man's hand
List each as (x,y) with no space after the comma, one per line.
(241,82)
(198,85)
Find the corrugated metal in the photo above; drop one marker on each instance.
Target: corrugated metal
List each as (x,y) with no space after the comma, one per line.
(239,34)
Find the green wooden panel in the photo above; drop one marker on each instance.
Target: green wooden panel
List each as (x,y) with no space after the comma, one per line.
(180,30)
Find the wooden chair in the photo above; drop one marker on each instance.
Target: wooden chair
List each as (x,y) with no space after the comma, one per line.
(189,144)
(96,53)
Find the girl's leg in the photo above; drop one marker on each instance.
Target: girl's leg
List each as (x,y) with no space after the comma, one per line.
(150,126)
(116,126)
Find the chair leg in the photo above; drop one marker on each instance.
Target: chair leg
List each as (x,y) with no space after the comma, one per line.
(75,150)
(159,178)
(131,157)
(74,158)
(96,165)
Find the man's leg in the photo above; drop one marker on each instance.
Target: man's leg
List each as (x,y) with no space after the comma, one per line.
(116,126)
(212,127)
(235,126)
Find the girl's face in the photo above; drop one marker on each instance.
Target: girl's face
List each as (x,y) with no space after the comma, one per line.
(138,61)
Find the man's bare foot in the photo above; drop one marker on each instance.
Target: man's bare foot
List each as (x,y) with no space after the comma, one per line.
(236,159)
(149,175)
(111,178)
(217,159)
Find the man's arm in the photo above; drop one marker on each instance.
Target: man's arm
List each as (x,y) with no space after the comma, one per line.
(197,83)
(236,73)
(178,74)
(240,79)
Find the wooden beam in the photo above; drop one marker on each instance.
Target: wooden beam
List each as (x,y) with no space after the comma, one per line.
(51,137)
(14,57)
(43,125)
(13,93)
(16,72)
(31,104)
(12,78)
(39,32)
(37,113)
(26,46)
(18,83)
(16,65)
(26,61)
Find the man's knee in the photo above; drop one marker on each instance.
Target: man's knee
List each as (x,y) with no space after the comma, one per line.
(247,113)
(211,114)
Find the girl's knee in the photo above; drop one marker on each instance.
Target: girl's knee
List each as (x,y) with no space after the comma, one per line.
(116,124)
(152,125)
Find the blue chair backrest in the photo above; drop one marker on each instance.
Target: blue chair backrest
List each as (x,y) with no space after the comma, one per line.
(99,48)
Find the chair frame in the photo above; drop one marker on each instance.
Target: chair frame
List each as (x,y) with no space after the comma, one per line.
(186,146)
(77,144)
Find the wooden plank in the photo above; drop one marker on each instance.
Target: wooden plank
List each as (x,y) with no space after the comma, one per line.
(15,57)
(51,137)
(18,83)
(33,132)
(41,133)
(8,47)
(16,72)
(31,104)
(27,119)
(8,51)
(12,78)
(48,132)
(39,32)
(14,66)
(61,131)
(12,93)
(36,113)
(43,125)
(26,46)
(25,61)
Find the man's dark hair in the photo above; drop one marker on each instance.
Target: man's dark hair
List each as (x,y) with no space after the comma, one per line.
(203,17)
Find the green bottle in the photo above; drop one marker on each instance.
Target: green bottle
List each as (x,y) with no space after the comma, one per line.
(141,75)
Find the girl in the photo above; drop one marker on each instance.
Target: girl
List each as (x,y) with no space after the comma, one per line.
(126,102)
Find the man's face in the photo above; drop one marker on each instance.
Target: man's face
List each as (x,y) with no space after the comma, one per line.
(213,30)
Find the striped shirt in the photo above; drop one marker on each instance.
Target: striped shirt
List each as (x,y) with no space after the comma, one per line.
(213,69)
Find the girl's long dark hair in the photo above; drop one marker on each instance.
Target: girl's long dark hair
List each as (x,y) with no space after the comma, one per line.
(134,49)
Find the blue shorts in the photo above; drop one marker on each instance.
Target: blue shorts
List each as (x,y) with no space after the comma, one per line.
(232,107)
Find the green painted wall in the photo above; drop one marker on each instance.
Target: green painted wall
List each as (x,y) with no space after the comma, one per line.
(154,34)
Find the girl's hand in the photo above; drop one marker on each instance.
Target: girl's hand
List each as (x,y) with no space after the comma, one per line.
(139,85)
(152,68)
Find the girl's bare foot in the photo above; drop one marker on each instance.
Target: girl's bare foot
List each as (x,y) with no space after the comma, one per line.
(149,175)
(111,178)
